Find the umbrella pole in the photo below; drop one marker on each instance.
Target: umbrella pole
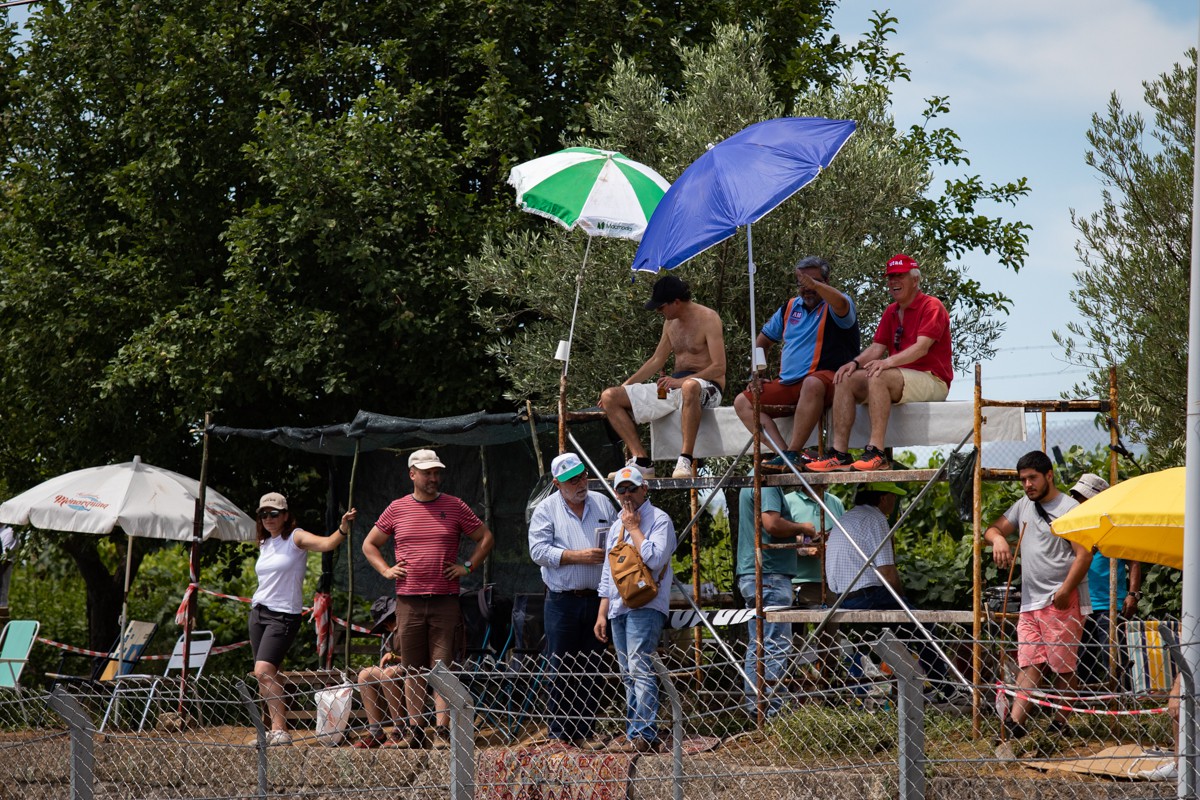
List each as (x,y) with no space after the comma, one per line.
(750,270)
(562,381)
(128,567)
(350,557)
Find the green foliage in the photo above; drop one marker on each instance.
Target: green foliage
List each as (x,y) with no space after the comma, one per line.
(259,209)
(871,203)
(823,731)
(1135,248)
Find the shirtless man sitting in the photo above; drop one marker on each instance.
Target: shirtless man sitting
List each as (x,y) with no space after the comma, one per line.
(693,333)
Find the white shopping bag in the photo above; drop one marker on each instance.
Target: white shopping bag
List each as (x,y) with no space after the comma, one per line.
(333,713)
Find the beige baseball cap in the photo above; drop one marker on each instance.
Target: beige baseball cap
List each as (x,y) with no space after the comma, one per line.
(272,500)
(425,459)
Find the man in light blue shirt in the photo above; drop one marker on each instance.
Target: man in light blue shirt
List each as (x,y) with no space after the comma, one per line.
(636,631)
(566,539)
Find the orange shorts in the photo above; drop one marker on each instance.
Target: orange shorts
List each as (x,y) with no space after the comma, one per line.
(1049,636)
(775,393)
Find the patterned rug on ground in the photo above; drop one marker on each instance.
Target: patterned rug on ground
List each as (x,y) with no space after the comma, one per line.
(552,770)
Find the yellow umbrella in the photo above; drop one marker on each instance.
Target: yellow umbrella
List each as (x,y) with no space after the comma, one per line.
(1140,519)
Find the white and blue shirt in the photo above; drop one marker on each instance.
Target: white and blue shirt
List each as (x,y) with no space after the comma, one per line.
(554,528)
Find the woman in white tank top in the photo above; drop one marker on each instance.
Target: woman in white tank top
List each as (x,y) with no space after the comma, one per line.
(277,603)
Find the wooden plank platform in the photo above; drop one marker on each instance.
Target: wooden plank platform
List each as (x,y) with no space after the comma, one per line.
(813,478)
(866,617)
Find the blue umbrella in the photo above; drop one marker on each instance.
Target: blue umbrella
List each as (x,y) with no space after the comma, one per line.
(738,182)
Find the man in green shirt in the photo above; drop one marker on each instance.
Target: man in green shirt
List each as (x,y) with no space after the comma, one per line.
(779,568)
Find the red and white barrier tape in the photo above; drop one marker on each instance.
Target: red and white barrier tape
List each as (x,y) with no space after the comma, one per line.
(224,648)
(1033,697)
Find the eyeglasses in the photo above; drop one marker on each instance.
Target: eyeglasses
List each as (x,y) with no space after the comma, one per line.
(896,341)
(269,513)
(627,489)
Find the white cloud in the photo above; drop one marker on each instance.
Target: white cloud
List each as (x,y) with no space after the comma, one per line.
(1023,56)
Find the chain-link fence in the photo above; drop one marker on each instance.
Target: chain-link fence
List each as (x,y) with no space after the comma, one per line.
(868,715)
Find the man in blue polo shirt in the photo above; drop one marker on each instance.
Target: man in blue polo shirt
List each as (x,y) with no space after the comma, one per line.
(819,331)
(566,539)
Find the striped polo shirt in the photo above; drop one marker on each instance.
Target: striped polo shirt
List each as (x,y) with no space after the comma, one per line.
(426,536)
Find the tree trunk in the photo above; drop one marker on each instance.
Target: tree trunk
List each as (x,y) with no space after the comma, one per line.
(104,588)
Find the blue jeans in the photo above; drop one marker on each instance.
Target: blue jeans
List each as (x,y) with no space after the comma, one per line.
(635,635)
(777,638)
(574,656)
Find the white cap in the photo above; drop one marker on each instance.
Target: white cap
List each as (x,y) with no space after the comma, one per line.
(425,459)
(1089,486)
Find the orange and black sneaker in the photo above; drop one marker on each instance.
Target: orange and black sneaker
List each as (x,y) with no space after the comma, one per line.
(834,461)
(872,460)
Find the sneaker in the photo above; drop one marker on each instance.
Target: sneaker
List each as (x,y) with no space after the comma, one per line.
(641,745)
(278,737)
(683,468)
(441,738)
(647,472)
(835,461)
(872,460)
(780,463)
(1166,772)
(371,739)
(406,738)
(588,743)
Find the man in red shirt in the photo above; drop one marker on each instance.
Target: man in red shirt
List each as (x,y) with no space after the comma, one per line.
(426,528)
(907,362)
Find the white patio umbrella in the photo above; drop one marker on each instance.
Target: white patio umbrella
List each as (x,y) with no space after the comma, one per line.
(142,500)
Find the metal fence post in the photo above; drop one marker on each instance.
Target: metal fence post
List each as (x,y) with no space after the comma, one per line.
(664,677)
(910,712)
(251,704)
(462,730)
(1185,757)
(83,755)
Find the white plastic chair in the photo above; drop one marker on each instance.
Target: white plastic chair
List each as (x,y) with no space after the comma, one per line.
(135,686)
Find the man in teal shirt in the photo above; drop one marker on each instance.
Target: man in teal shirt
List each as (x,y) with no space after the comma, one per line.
(779,567)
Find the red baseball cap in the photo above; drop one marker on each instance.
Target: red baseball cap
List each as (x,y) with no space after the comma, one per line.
(900,264)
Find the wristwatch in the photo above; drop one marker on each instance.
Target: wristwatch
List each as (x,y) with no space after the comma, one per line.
(468,565)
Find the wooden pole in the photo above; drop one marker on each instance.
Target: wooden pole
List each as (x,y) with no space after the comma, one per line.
(350,559)
(194,563)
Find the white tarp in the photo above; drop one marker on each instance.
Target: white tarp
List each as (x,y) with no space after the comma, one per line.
(911,425)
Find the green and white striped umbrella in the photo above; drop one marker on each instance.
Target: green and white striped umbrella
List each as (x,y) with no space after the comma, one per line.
(600,191)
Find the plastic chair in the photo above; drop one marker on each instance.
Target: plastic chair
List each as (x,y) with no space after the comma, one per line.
(131,686)
(16,642)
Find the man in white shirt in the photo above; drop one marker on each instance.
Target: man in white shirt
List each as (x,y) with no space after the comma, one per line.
(566,539)
(8,543)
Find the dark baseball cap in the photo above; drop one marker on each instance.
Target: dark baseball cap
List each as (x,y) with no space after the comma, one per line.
(667,289)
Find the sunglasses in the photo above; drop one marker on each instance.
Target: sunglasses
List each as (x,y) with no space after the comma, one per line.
(580,478)
(627,489)
(269,513)
(896,341)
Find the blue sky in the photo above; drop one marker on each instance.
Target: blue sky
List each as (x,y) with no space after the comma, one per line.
(1024,78)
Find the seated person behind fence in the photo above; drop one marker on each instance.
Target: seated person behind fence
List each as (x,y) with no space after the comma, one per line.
(819,331)
(907,362)
(867,524)
(693,333)
(383,678)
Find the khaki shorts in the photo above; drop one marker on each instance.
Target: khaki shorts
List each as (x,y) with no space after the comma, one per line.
(644,402)
(922,387)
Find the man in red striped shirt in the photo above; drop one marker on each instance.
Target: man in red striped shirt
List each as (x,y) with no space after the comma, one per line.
(426,528)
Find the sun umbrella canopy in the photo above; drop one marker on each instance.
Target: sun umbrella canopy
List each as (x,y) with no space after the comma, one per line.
(737,182)
(1140,519)
(144,501)
(600,191)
